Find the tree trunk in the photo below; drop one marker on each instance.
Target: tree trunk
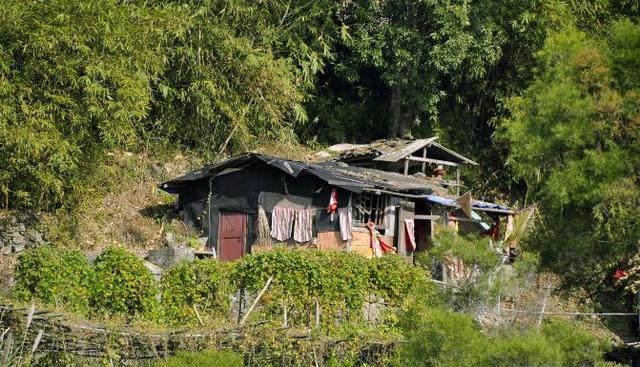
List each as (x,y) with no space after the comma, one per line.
(395,113)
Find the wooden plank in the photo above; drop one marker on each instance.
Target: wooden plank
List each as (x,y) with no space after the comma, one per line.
(427,217)
(330,241)
(406,166)
(424,164)
(361,244)
(432,160)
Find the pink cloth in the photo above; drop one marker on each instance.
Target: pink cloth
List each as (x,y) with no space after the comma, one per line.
(282,223)
(410,233)
(303,229)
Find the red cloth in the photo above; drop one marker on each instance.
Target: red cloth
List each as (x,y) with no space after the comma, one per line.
(619,274)
(333,201)
(386,248)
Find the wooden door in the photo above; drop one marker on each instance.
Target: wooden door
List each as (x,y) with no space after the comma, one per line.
(232,231)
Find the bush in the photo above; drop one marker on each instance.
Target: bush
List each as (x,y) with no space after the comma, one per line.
(471,249)
(578,346)
(123,285)
(340,281)
(203,284)
(54,276)
(391,277)
(436,337)
(202,359)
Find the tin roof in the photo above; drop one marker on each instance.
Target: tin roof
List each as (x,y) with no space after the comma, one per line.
(339,174)
(394,150)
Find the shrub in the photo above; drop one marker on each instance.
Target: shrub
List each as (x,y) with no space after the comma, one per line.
(391,277)
(54,276)
(578,346)
(436,337)
(344,283)
(471,249)
(528,349)
(123,285)
(202,359)
(203,284)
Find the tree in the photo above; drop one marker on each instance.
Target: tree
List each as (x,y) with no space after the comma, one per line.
(574,139)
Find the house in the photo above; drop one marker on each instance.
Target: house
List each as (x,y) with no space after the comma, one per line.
(387,191)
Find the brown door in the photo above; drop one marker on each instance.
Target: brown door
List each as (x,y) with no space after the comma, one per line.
(231,235)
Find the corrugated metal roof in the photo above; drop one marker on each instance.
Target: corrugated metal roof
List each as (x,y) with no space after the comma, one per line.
(400,153)
(394,150)
(338,174)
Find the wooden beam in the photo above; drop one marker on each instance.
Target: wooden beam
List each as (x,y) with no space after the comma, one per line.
(431,160)
(424,164)
(458,181)
(427,217)
(406,166)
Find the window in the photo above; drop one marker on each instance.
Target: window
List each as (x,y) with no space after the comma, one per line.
(369,207)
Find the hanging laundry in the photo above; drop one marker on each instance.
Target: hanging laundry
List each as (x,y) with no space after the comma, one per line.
(345,218)
(303,228)
(410,239)
(333,202)
(377,243)
(282,223)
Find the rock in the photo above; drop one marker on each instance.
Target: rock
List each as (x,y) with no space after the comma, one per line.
(170,239)
(322,155)
(18,247)
(21,227)
(18,239)
(155,270)
(91,258)
(202,241)
(168,256)
(6,250)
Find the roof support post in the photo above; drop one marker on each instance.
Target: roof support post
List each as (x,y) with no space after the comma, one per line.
(424,163)
(406,166)
(458,180)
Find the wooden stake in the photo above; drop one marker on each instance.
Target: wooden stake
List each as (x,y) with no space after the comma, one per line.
(544,305)
(195,310)
(317,312)
(284,307)
(255,302)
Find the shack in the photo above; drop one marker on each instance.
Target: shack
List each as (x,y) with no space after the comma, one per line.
(375,198)
(251,201)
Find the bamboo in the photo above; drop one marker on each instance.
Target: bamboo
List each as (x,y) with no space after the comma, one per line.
(255,302)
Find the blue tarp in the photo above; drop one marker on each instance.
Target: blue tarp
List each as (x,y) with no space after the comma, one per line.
(477,204)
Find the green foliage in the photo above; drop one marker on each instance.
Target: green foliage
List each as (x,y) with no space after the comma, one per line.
(55,276)
(123,285)
(434,337)
(574,138)
(577,345)
(471,249)
(391,278)
(207,358)
(202,284)
(75,78)
(340,281)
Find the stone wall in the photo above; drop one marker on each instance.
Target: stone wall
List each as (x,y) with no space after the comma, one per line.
(19,234)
